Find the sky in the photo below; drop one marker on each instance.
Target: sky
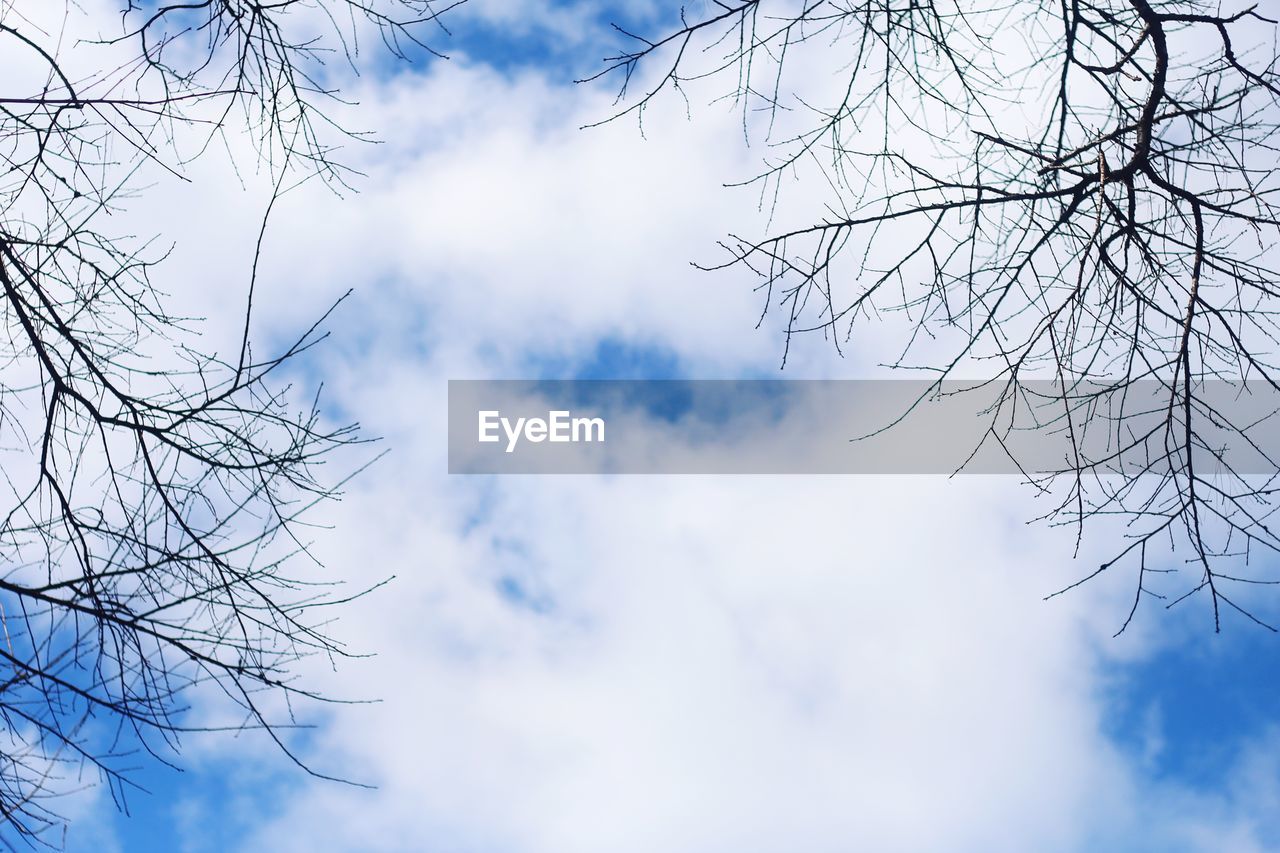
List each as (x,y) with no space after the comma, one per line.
(676,664)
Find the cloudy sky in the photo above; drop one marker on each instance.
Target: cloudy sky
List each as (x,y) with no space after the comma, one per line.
(675,663)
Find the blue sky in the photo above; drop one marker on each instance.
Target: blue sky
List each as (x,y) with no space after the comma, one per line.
(575,666)
(1208,698)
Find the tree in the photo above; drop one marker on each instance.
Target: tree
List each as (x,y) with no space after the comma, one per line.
(1082,191)
(152,492)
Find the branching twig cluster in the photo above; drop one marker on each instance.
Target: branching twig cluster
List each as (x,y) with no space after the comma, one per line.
(1079,190)
(152,495)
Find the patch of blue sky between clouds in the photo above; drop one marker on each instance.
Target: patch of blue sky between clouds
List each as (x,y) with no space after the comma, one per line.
(511,49)
(1190,713)
(209,801)
(206,807)
(656,379)
(515,38)
(611,357)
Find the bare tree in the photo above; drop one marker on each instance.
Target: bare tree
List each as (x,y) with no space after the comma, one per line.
(152,492)
(1075,190)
